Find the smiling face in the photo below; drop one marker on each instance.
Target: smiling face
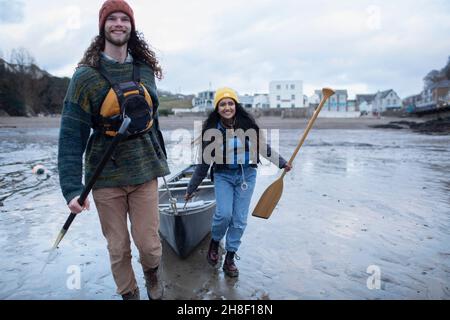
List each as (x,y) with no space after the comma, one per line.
(118,28)
(227,108)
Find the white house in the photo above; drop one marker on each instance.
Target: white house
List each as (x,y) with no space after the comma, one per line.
(261,100)
(337,106)
(305,100)
(336,103)
(386,100)
(314,99)
(203,101)
(246,101)
(286,94)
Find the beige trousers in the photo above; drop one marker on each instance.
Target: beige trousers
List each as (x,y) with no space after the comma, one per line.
(140,204)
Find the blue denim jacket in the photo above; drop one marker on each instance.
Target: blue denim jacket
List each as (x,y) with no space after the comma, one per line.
(201,170)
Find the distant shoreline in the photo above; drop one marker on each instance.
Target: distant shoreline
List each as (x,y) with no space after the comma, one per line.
(174,122)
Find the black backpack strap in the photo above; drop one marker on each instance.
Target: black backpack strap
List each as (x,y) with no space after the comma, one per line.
(105,75)
(137,77)
(136,72)
(114,85)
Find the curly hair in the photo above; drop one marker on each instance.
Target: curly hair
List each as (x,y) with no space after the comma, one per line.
(137,47)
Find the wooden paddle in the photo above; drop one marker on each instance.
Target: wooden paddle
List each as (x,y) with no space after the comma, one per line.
(272,195)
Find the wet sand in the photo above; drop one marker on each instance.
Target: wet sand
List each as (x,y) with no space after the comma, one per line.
(357,200)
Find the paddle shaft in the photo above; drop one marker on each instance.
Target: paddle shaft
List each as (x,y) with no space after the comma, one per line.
(106,156)
(326,94)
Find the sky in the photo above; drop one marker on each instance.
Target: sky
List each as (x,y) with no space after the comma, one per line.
(358,45)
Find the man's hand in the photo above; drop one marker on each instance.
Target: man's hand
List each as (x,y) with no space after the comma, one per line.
(287,167)
(75,207)
(188,197)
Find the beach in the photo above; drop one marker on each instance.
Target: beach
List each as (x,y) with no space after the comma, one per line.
(364,215)
(174,122)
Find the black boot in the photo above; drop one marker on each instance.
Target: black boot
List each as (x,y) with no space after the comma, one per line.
(132,295)
(213,253)
(229,267)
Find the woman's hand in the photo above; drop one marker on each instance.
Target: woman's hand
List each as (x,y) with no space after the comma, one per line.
(287,167)
(188,197)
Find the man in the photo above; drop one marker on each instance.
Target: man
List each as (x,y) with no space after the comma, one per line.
(127,187)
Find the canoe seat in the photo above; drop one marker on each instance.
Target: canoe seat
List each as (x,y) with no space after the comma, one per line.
(208,186)
(189,205)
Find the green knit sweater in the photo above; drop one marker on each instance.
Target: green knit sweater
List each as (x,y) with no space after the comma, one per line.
(138,160)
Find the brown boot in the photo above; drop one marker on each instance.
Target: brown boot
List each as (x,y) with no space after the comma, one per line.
(229,267)
(154,284)
(132,295)
(213,253)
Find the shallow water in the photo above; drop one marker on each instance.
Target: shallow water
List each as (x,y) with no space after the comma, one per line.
(356,199)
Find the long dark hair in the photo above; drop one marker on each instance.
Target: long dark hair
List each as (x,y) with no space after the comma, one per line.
(244,120)
(137,46)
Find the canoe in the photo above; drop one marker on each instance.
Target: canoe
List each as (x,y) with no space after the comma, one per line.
(184,229)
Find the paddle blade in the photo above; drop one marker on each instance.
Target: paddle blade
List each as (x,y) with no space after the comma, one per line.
(269,200)
(327,92)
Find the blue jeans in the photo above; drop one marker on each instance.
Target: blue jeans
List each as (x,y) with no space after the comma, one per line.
(232,204)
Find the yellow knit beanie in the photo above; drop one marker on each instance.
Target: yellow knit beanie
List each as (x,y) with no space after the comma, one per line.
(223,93)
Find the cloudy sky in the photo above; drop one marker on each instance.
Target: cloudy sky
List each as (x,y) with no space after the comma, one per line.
(358,45)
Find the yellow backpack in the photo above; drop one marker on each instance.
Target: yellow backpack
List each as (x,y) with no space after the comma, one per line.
(125,99)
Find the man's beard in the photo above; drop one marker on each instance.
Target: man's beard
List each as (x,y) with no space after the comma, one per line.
(115,42)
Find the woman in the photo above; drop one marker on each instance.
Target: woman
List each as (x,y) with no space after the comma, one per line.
(234,180)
